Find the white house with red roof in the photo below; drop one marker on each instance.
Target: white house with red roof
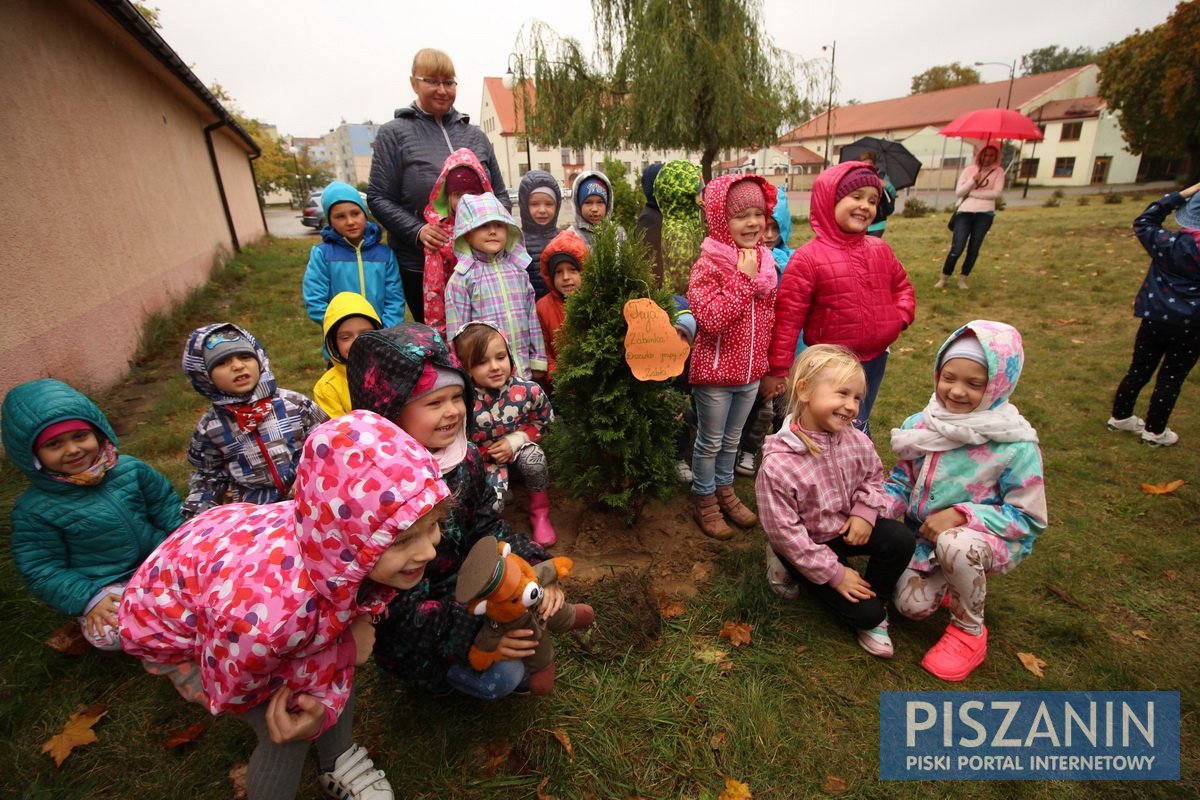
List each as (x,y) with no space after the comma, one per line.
(1083,142)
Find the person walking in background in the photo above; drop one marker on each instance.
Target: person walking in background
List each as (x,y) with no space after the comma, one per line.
(980,186)
(408,155)
(1169,305)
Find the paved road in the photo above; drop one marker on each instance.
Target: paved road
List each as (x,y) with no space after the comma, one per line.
(285,223)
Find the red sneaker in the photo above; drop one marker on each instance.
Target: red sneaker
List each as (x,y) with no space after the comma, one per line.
(956,654)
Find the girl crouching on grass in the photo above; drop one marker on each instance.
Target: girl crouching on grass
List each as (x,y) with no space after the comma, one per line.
(821,499)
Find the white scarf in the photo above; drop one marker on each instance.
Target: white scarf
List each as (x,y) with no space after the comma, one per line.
(452,454)
(946,431)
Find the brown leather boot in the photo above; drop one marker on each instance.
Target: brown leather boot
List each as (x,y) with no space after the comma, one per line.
(731,505)
(708,516)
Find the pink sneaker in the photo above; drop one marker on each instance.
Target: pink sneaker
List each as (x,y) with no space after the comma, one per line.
(956,654)
(877,641)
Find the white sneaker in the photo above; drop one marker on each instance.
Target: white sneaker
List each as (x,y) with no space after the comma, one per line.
(877,641)
(354,777)
(962,283)
(745,464)
(780,580)
(683,472)
(941,282)
(1128,425)
(1165,439)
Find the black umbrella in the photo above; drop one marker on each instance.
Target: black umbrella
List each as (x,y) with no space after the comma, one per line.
(893,158)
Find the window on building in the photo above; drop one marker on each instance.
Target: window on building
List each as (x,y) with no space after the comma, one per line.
(1071,131)
(523,169)
(565,153)
(577,157)
(1064,167)
(1029,167)
(544,166)
(953,163)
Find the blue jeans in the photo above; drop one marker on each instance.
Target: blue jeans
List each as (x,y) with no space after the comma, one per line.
(721,412)
(970,226)
(495,682)
(874,369)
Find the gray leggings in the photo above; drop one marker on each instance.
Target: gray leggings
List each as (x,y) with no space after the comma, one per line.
(530,463)
(274,769)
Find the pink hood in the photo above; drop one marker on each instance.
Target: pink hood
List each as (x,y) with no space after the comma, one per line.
(262,596)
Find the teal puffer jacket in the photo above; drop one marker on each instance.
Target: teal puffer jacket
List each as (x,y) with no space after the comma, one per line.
(70,541)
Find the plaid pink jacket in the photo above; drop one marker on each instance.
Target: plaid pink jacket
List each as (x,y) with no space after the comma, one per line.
(804,500)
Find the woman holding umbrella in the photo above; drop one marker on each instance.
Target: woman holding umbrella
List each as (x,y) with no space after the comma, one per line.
(978,189)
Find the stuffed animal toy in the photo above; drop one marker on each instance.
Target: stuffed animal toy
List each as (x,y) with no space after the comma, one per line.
(504,587)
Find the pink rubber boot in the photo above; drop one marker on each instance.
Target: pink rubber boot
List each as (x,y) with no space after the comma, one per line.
(539,518)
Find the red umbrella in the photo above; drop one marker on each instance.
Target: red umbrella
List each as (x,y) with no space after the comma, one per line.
(993,123)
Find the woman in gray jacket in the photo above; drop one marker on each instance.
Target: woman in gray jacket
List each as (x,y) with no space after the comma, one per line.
(409,153)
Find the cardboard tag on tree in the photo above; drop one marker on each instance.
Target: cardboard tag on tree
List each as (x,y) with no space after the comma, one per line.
(653,348)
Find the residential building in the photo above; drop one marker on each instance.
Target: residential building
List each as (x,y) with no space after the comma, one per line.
(314,146)
(144,179)
(1092,152)
(348,150)
(504,126)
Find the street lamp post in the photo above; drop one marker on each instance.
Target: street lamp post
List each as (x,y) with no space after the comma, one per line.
(829,109)
(296,163)
(509,81)
(1012,74)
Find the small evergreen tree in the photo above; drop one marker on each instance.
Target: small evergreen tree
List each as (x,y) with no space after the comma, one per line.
(613,438)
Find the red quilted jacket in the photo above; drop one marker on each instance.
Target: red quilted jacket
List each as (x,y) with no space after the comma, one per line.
(839,288)
(734,313)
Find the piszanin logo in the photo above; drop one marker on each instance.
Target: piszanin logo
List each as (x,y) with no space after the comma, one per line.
(1029,735)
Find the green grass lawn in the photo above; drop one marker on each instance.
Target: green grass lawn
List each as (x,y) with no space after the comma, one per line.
(1107,600)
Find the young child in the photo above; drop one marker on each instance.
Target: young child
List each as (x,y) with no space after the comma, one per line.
(1169,305)
(562,269)
(461,175)
(539,200)
(508,417)
(969,479)
(90,515)
(779,231)
(409,375)
(843,287)
(649,221)
(245,446)
(351,258)
(732,296)
(490,282)
(592,194)
(348,315)
(679,191)
(821,500)
(265,611)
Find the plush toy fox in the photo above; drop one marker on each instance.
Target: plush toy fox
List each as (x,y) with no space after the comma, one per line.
(505,588)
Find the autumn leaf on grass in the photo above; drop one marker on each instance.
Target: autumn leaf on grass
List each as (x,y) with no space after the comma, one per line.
(185,736)
(496,754)
(1032,663)
(670,609)
(541,790)
(1141,635)
(565,741)
(1162,488)
(735,790)
(711,655)
(237,776)
(834,785)
(738,633)
(717,740)
(76,733)
(68,640)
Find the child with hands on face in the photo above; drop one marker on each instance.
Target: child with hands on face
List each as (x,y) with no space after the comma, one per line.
(820,499)
(90,516)
(970,481)
(265,611)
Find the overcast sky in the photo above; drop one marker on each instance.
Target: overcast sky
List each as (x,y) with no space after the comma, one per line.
(305,65)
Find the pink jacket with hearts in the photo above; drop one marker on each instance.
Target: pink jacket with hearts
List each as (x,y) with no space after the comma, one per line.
(263,596)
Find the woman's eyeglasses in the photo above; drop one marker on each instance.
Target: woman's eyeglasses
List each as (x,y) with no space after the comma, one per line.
(449,83)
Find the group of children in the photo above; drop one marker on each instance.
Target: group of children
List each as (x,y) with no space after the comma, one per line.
(317,533)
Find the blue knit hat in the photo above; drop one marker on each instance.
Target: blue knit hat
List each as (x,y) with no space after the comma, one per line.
(593,187)
(338,192)
(1189,215)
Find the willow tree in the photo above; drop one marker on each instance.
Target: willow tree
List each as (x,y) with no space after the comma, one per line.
(699,75)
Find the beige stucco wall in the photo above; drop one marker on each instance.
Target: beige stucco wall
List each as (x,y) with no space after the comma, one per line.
(110,204)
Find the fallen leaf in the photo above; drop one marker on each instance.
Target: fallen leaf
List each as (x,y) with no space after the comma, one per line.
(237,776)
(834,785)
(76,733)
(565,741)
(1065,596)
(185,736)
(670,609)
(711,655)
(1162,488)
(738,633)
(725,666)
(1171,575)
(541,790)
(735,790)
(1078,341)
(1067,321)
(904,349)
(496,756)
(1032,663)
(1141,635)
(68,639)
(717,740)
(701,572)
(800,648)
